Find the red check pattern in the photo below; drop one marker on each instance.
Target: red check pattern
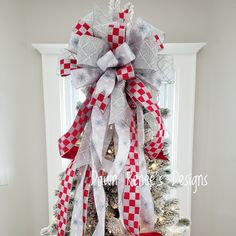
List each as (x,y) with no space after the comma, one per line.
(123,14)
(157,39)
(83,28)
(66,65)
(67,142)
(100,101)
(64,197)
(86,188)
(138,92)
(125,72)
(131,198)
(116,35)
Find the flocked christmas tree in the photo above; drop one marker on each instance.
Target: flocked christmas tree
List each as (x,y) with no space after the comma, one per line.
(167,220)
(157,169)
(166,210)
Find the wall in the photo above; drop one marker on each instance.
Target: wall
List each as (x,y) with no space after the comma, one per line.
(215,126)
(23,204)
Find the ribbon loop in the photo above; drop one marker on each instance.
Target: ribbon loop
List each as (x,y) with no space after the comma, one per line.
(124,54)
(90,50)
(67,65)
(107,61)
(116,35)
(125,72)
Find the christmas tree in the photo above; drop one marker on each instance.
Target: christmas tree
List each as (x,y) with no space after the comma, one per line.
(167,220)
(118,132)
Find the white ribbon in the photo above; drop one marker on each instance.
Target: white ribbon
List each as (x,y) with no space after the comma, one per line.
(120,116)
(147,215)
(82,160)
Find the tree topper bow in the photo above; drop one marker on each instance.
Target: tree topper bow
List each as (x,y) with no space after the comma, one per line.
(117,62)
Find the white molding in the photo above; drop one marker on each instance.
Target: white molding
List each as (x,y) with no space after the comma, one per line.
(50,48)
(53,96)
(169,48)
(183,126)
(182,48)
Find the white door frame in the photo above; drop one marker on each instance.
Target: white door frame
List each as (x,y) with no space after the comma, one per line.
(58,111)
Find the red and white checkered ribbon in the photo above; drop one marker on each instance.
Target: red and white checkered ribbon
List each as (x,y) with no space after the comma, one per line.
(100,100)
(131,198)
(139,93)
(123,14)
(116,37)
(125,72)
(68,150)
(86,188)
(83,28)
(116,34)
(67,142)
(67,65)
(159,42)
(64,197)
(79,216)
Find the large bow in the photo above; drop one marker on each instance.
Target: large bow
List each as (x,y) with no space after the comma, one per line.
(119,65)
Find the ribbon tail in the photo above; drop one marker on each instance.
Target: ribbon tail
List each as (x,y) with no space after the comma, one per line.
(147,215)
(120,116)
(67,64)
(139,93)
(67,142)
(131,194)
(99,122)
(99,193)
(82,162)
(64,197)
(101,112)
(79,216)
(107,162)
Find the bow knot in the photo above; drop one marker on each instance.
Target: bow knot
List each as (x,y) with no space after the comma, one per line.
(120,59)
